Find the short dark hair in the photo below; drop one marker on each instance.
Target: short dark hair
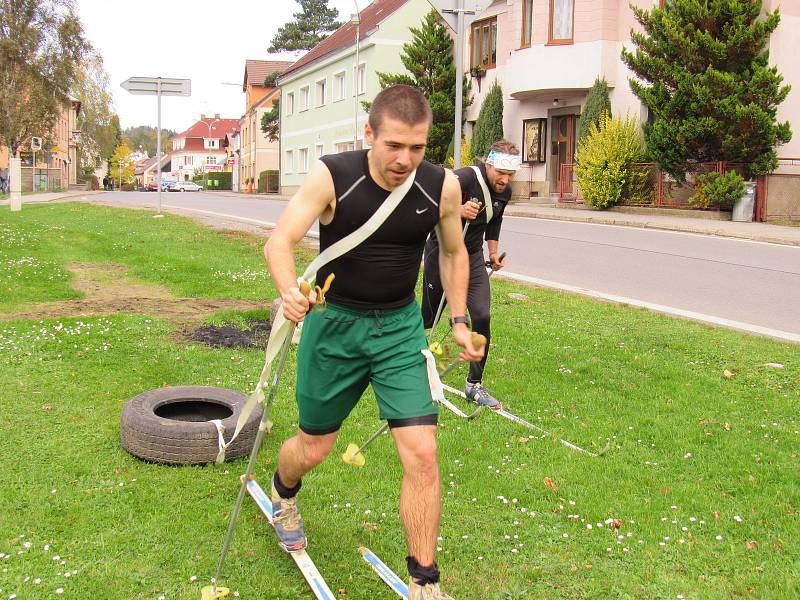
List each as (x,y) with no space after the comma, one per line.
(401,102)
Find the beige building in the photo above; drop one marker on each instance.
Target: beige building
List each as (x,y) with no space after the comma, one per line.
(57,162)
(256,152)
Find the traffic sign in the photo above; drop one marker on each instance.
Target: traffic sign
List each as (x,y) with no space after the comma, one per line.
(231,161)
(448,9)
(36,143)
(154,85)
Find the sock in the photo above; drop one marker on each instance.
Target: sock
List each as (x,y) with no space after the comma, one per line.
(282,490)
(470,382)
(422,575)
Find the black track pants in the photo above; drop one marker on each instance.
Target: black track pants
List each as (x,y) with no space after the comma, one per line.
(478,298)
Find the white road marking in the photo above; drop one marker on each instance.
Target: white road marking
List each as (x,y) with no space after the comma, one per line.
(270,224)
(668,310)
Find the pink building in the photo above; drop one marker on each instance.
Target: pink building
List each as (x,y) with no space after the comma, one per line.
(546,55)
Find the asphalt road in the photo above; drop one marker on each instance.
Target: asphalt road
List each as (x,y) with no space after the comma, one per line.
(743,284)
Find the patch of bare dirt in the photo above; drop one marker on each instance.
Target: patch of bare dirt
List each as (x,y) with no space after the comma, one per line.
(230,336)
(110,290)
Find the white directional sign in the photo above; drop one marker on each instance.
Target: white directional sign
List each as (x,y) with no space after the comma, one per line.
(158,86)
(448,9)
(153,85)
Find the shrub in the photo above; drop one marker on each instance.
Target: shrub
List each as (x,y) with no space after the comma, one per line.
(466,151)
(219,180)
(92,183)
(713,189)
(489,126)
(597,104)
(127,187)
(604,161)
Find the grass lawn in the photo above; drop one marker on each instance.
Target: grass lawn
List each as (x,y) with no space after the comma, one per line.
(702,476)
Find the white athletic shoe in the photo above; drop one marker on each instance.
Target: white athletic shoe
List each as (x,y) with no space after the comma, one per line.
(480,395)
(428,591)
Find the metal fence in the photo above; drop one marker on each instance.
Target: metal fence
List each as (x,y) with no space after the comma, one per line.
(652,187)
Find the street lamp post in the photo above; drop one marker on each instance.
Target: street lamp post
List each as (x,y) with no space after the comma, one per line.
(356,20)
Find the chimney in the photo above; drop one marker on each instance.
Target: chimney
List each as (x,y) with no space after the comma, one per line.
(202,117)
(216,115)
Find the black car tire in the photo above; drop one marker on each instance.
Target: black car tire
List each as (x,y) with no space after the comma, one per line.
(172,425)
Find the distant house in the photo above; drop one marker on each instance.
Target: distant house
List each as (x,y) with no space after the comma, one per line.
(200,148)
(257,152)
(321,93)
(147,172)
(546,54)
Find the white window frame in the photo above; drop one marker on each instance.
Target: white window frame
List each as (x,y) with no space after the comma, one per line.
(210,143)
(359,77)
(336,95)
(348,146)
(324,82)
(188,160)
(319,150)
(305,90)
(288,161)
(302,165)
(211,160)
(289,105)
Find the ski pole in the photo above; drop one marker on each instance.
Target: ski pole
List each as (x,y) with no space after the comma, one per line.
(305,289)
(489,264)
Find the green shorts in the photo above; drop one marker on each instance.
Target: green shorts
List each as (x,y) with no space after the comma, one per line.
(342,350)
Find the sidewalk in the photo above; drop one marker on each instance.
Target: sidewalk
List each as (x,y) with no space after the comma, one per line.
(44,197)
(670,220)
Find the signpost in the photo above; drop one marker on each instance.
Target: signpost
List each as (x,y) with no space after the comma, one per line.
(459,14)
(158,86)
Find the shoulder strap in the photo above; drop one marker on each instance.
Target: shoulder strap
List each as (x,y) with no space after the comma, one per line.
(487,197)
(283,328)
(357,237)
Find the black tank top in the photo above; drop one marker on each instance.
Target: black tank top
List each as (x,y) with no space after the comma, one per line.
(382,271)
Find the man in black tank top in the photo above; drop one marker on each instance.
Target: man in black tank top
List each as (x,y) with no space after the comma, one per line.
(371,331)
(485,218)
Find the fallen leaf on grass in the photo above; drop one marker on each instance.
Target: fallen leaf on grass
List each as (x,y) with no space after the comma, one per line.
(751,544)
(727,374)
(704,421)
(715,514)
(523,440)
(47,407)
(549,483)
(727,427)
(778,545)
(372,526)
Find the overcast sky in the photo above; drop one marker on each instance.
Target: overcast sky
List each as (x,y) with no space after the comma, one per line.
(205,41)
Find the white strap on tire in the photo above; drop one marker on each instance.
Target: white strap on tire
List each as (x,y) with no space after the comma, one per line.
(282,327)
(487,197)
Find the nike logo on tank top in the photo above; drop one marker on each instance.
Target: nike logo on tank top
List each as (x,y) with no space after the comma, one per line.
(381,272)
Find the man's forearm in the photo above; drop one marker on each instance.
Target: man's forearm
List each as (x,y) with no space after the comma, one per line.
(494,247)
(279,253)
(454,269)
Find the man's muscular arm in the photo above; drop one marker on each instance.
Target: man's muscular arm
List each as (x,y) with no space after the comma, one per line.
(454,262)
(312,199)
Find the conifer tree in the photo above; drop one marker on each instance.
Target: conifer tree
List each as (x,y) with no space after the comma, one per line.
(315,21)
(597,103)
(703,72)
(428,58)
(489,126)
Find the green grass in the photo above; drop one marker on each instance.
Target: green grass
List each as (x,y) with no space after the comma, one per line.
(690,447)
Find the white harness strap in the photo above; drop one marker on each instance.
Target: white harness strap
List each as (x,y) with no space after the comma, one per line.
(487,197)
(282,327)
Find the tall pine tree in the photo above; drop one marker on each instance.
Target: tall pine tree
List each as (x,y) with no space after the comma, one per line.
(597,104)
(704,74)
(428,57)
(315,21)
(489,126)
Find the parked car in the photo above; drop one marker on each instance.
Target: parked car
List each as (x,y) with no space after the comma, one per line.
(151,187)
(185,186)
(165,183)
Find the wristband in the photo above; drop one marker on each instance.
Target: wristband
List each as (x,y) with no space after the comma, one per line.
(454,320)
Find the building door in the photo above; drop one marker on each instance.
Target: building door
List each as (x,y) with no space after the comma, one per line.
(562,150)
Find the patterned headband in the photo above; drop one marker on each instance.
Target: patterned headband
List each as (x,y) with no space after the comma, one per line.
(501,160)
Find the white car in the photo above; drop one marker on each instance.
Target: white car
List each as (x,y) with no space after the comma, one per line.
(185,186)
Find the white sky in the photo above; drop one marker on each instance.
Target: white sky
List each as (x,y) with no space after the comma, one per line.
(201,40)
